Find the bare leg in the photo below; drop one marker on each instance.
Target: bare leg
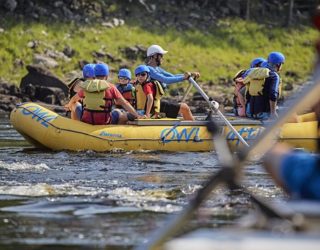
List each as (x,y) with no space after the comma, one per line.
(186,112)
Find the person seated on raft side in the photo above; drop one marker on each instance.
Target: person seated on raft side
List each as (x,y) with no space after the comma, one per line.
(264,87)
(309,116)
(148,98)
(298,172)
(74,105)
(240,96)
(125,87)
(154,59)
(98,96)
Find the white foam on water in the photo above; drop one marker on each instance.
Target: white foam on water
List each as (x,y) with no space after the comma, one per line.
(145,199)
(16,166)
(44,189)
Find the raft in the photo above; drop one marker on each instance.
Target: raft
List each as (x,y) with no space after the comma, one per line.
(44,128)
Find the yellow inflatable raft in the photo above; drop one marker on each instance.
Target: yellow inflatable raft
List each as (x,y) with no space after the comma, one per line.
(46,129)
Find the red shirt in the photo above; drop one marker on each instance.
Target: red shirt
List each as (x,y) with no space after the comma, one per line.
(100,118)
(149,88)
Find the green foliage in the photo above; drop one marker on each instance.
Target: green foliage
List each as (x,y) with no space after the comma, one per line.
(216,53)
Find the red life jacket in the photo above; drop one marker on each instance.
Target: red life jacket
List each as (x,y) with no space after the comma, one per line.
(128,93)
(97,102)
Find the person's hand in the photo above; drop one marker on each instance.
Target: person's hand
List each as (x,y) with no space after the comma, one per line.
(215,105)
(141,117)
(187,75)
(67,107)
(195,75)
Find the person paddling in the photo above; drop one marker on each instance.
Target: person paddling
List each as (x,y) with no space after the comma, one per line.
(155,56)
(148,98)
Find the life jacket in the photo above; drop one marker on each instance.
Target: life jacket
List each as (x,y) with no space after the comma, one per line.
(255,80)
(239,106)
(95,99)
(141,98)
(128,92)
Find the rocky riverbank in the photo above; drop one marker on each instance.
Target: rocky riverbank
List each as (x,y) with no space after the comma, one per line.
(43,85)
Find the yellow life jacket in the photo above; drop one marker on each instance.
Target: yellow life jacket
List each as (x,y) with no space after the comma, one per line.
(255,80)
(141,98)
(94,92)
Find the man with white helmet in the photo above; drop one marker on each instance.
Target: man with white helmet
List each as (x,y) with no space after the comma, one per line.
(154,60)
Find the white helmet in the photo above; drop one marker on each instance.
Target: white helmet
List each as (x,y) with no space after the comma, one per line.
(155,49)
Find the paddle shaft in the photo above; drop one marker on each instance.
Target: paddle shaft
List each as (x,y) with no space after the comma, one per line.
(262,144)
(186,93)
(204,95)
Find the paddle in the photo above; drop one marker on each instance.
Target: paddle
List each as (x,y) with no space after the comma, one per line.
(196,85)
(263,143)
(186,93)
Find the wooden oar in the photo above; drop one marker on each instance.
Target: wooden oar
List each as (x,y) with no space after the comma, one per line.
(204,95)
(263,143)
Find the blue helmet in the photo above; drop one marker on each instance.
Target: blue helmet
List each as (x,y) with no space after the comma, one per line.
(257,62)
(141,68)
(88,70)
(101,69)
(276,58)
(124,73)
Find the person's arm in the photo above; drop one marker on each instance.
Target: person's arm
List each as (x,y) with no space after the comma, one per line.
(159,76)
(273,92)
(72,101)
(273,106)
(149,104)
(126,105)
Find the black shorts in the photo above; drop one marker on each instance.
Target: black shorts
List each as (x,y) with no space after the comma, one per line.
(170,109)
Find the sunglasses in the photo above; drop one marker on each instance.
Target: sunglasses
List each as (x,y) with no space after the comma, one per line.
(141,74)
(123,78)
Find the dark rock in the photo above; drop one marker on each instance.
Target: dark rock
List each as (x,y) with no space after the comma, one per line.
(174,92)
(38,76)
(82,63)
(98,54)
(14,90)
(292,74)
(50,99)
(134,52)
(68,51)
(18,63)
(9,5)
(288,86)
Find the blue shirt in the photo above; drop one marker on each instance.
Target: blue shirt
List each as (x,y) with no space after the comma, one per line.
(300,173)
(166,78)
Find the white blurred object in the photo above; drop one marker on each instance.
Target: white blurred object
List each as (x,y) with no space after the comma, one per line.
(215,105)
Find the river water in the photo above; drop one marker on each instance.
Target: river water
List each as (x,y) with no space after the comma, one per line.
(89,200)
